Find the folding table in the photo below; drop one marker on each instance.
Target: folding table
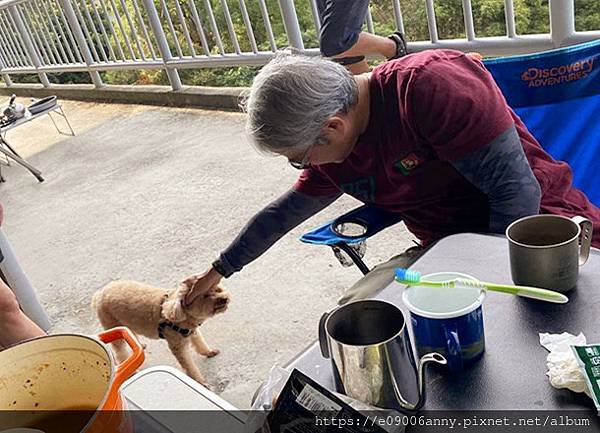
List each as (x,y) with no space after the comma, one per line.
(9,151)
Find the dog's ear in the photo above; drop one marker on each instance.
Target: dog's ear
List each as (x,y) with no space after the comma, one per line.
(173,309)
(191,281)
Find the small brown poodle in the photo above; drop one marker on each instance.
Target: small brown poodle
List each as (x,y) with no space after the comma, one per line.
(161,313)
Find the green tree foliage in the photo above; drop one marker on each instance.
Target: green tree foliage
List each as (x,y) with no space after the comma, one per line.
(134,39)
(587,15)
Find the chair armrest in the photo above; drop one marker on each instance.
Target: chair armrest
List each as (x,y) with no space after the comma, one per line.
(372,218)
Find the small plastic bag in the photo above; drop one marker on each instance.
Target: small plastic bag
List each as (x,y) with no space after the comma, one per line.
(266,397)
(588,358)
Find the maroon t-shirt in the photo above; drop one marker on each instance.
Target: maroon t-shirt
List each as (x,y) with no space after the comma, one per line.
(428,109)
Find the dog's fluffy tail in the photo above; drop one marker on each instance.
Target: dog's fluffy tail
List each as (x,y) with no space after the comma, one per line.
(97,299)
(99,294)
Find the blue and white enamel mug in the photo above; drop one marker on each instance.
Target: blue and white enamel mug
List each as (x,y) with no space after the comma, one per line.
(447,321)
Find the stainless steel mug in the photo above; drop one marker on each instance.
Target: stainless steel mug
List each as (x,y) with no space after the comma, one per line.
(547,250)
(369,347)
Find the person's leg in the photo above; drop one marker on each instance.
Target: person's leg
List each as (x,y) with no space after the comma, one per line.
(15,326)
(371,44)
(342,38)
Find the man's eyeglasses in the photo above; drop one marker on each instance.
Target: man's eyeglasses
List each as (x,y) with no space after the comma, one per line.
(303,163)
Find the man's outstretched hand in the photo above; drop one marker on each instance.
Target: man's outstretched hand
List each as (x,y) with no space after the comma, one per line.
(200,283)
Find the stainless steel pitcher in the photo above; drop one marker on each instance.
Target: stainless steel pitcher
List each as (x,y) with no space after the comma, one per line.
(369,347)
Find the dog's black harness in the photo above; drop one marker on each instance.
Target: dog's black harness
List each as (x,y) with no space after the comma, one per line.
(167,324)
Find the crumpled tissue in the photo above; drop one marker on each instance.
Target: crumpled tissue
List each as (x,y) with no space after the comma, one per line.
(563,369)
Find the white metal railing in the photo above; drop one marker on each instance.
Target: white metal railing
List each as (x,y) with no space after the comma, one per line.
(50,36)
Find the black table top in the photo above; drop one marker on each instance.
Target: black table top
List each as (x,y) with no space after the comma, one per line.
(512,372)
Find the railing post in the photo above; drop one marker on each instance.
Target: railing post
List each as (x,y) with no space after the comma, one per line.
(81,42)
(7,80)
(28,42)
(163,45)
(291,24)
(562,21)
(5,76)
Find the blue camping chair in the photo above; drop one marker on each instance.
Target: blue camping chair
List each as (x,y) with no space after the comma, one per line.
(556,94)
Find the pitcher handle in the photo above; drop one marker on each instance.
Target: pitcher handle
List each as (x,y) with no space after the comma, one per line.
(587,230)
(404,404)
(428,357)
(323,340)
(125,369)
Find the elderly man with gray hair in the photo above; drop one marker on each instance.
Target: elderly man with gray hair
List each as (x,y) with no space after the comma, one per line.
(428,136)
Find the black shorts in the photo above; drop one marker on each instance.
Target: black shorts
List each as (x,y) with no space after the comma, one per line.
(341,23)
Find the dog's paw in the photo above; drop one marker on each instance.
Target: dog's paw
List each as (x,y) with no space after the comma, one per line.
(212,353)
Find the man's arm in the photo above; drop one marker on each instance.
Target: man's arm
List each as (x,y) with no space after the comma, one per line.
(311,193)
(262,231)
(501,171)
(268,226)
(461,113)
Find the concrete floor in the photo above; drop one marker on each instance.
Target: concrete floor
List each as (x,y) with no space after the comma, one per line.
(154,194)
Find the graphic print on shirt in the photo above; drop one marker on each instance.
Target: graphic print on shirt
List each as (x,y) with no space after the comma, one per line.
(363,188)
(407,164)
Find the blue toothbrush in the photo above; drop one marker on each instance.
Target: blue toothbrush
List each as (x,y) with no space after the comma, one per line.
(413,278)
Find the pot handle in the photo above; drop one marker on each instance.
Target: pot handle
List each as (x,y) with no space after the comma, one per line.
(125,369)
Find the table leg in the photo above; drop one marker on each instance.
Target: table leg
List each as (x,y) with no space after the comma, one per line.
(6,158)
(64,116)
(15,156)
(5,143)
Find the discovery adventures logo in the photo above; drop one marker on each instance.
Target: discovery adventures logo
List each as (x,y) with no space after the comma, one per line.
(539,77)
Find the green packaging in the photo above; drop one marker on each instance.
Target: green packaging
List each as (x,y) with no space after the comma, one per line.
(588,358)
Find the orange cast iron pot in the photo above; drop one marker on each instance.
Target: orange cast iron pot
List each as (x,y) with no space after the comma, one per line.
(62,374)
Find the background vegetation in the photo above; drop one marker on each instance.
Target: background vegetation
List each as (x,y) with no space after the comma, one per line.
(532,16)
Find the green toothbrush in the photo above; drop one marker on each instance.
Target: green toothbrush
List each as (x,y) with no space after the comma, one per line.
(413,278)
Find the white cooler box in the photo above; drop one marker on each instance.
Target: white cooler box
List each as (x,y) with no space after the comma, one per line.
(163,400)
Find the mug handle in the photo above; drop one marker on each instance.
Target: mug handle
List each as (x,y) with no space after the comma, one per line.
(453,348)
(587,230)
(323,341)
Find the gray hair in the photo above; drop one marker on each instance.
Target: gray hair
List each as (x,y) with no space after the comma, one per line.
(291,99)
